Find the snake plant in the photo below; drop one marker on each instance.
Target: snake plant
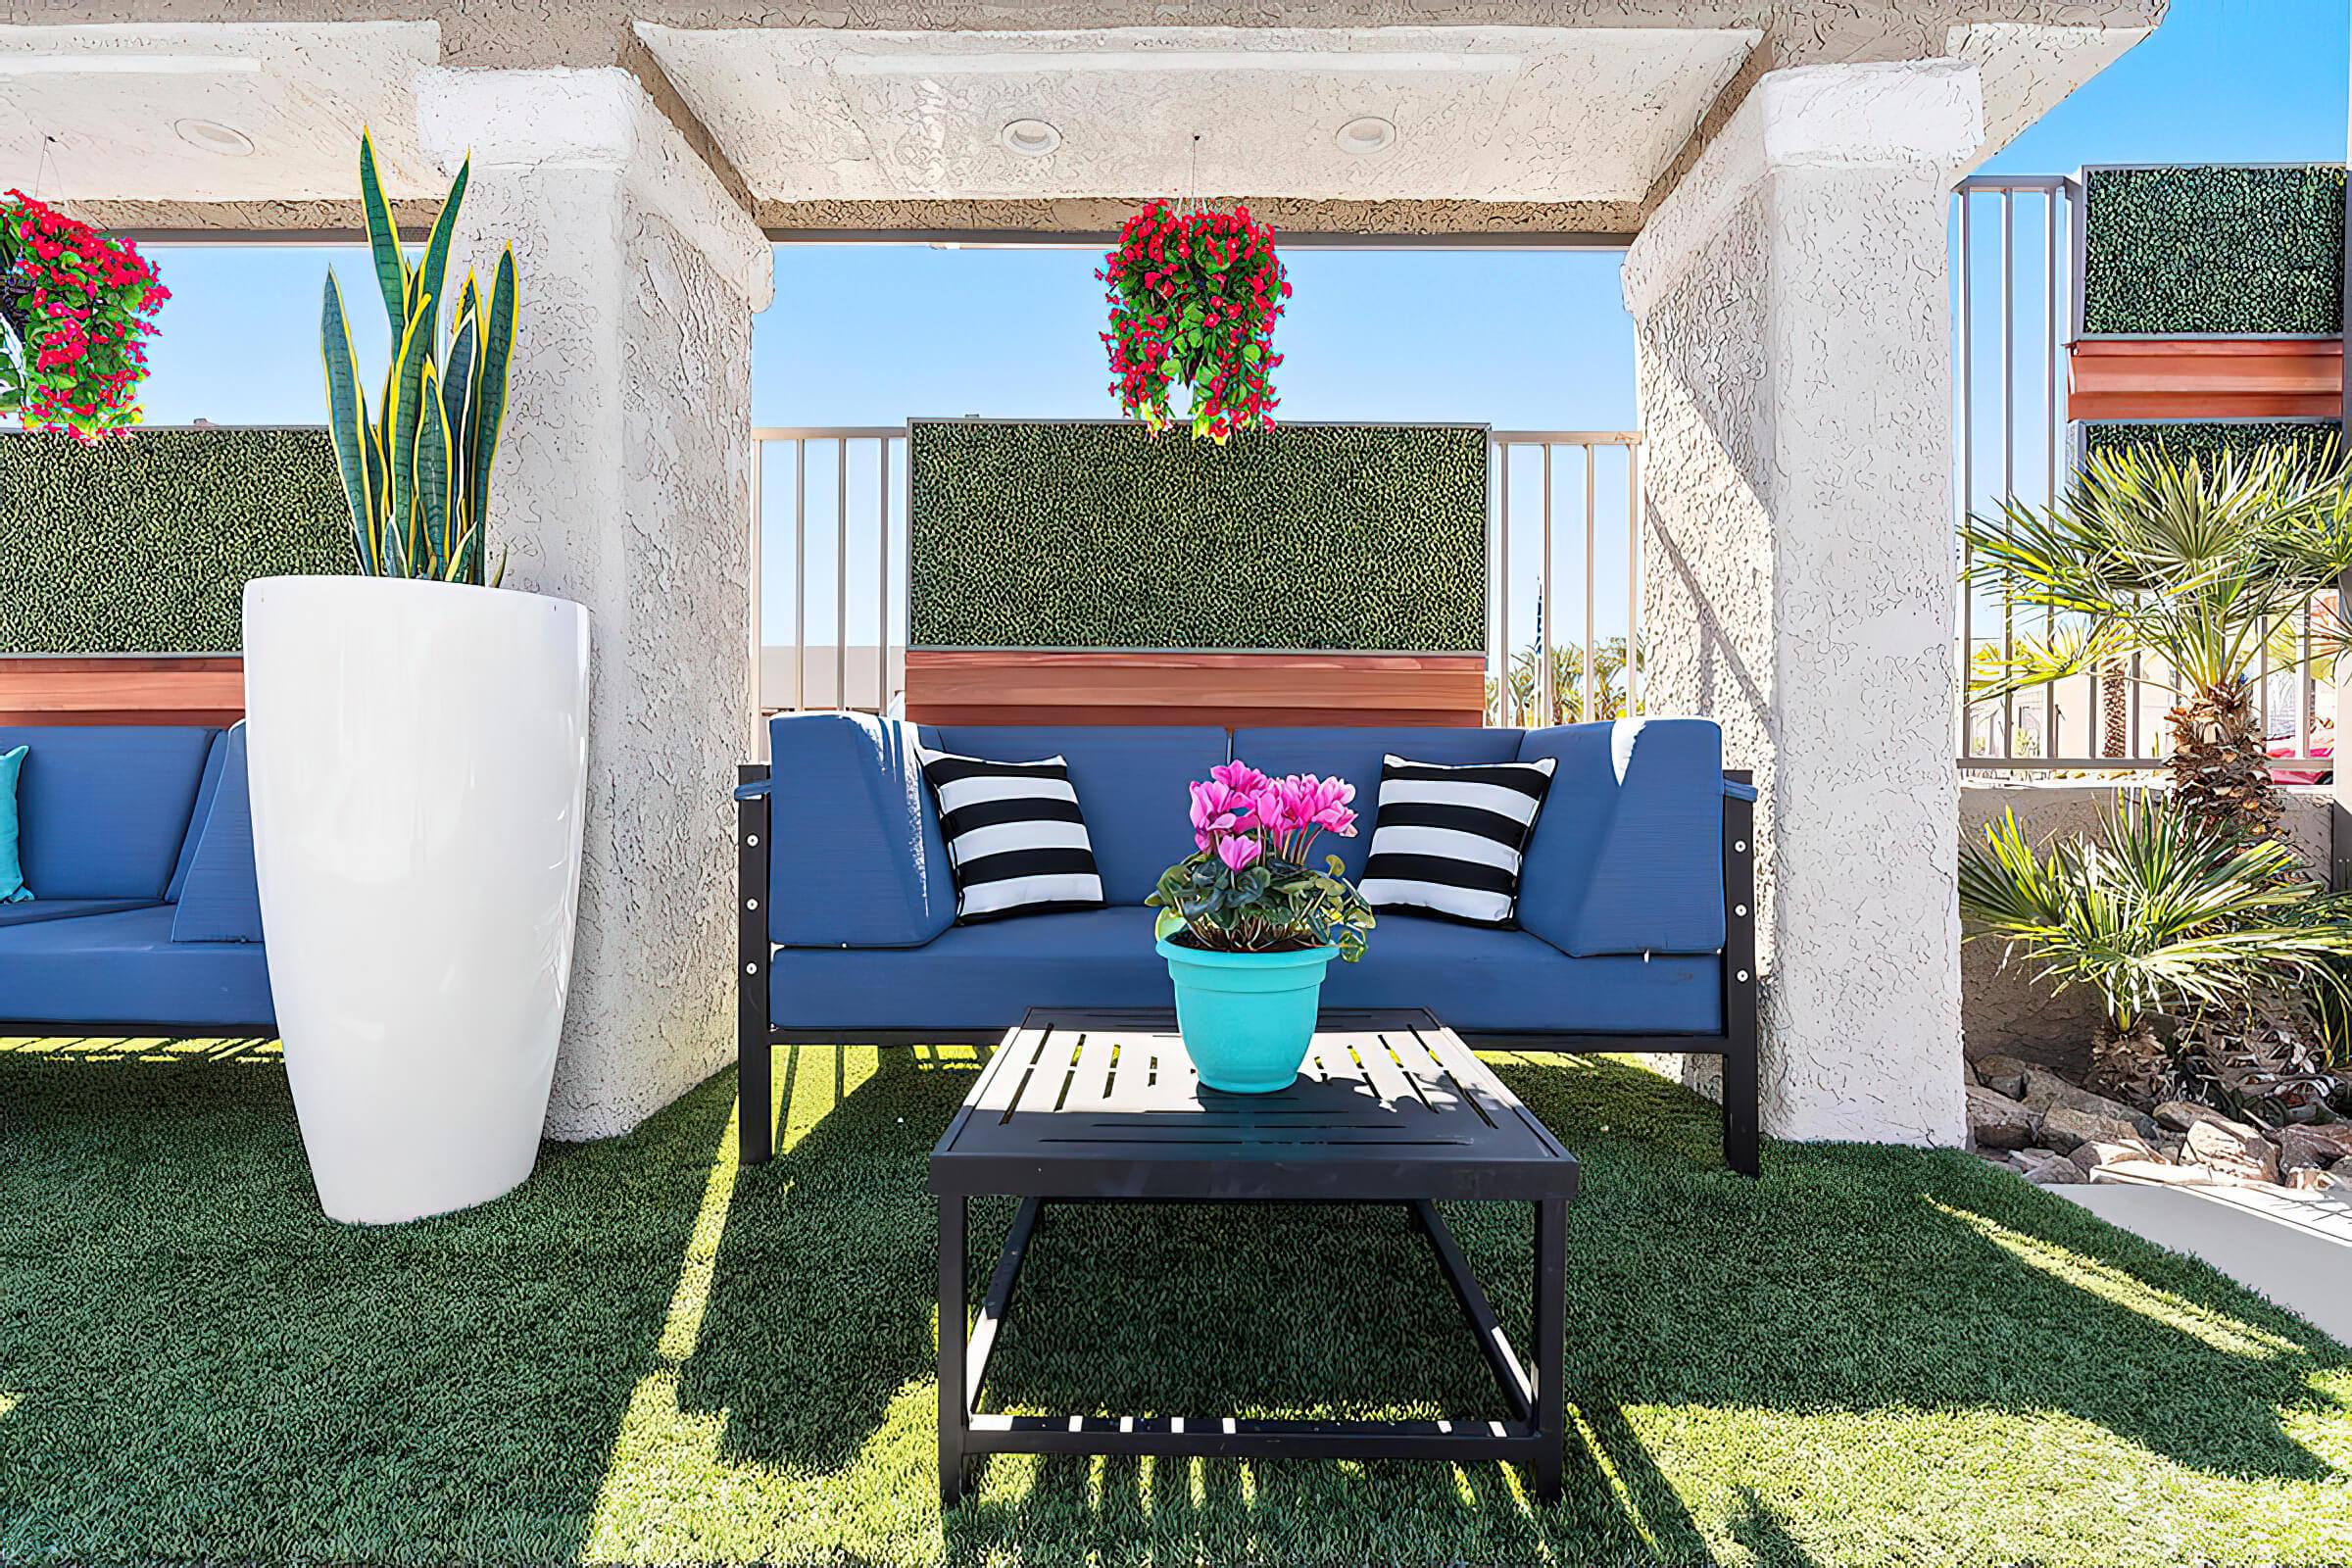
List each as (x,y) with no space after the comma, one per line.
(415,467)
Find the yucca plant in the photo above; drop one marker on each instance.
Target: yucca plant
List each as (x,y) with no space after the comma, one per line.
(416,468)
(2157,914)
(2201,565)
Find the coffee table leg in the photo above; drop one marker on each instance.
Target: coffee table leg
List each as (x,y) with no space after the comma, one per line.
(951,1331)
(1552,1345)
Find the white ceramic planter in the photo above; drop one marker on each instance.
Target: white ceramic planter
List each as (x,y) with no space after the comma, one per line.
(419,754)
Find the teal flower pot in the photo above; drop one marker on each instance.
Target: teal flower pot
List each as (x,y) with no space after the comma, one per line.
(1246,1017)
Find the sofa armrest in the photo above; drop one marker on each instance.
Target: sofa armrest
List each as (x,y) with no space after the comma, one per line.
(856,858)
(220,898)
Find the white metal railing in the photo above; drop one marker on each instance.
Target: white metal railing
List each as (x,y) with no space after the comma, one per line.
(1553,484)
(806,651)
(1563,554)
(2017,305)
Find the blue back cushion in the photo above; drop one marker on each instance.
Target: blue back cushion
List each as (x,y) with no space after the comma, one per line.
(1353,754)
(103,810)
(1627,853)
(854,857)
(220,899)
(1130,783)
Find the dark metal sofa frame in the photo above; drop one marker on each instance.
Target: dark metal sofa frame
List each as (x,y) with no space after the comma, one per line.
(756,1034)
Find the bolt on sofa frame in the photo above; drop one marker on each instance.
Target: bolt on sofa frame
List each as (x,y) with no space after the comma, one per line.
(758,1034)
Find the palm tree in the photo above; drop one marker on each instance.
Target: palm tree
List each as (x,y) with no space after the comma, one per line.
(2201,565)
(1525,678)
(2159,916)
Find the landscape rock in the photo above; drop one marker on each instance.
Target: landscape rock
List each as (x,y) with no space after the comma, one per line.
(2056,1171)
(2314,1148)
(2004,1075)
(1998,1121)
(2182,1115)
(2092,1153)
(2306,1179)
(2066,1127)
(2046,1090)
(2233,1149)
(2148,1170)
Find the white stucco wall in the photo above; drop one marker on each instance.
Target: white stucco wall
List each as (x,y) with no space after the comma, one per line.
(624,481)
(1794,362)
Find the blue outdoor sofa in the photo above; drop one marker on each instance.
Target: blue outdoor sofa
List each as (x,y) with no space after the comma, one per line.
(137,844)
(1636,929)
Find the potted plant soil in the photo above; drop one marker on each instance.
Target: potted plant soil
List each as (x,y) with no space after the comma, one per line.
(1247,926)
(418,743)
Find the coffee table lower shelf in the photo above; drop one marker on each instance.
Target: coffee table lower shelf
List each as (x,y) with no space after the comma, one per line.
(1530,1436)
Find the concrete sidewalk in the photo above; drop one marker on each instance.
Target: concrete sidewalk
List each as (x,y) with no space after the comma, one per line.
(2294,1248)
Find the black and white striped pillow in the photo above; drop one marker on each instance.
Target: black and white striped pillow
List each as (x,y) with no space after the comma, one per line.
(1014,836)
(1449,840)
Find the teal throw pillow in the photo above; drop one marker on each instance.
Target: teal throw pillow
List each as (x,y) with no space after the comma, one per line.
(12,870)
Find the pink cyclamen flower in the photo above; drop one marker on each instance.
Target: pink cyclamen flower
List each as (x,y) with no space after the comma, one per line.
(1274,813)
(1239,777)
(1323,801)
(1217,809)
(1237,852)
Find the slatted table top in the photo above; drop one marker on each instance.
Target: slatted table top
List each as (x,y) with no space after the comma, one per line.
(1389,1105)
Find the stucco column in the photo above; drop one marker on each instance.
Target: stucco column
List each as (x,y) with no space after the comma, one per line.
(1794,352)
(624,481)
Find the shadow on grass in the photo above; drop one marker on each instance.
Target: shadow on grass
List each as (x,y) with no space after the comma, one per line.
(196,1364)
(825,1290)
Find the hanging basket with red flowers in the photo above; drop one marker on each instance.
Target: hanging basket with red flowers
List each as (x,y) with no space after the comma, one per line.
(1193,298)
(75,311)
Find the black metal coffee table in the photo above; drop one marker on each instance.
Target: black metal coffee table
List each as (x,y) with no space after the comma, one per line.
(1391,1107)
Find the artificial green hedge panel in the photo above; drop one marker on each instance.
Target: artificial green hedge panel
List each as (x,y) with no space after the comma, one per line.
(143,544)
(1098,535)
(2203,439)
(2206,248)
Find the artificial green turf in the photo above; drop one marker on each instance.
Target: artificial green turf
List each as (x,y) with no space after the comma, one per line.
(1868,1356)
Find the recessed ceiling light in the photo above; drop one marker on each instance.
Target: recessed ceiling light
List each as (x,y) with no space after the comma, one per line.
(212,136)
(1031,138)
(1366,134)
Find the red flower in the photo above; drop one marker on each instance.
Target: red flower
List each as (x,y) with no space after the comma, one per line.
(88,318)
(1202,290)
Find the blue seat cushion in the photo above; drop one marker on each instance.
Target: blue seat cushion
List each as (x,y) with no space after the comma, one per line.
(103,810)
(1131,783)
(124,968)
(988,976)
(221,898)
(1626,856)
(1354,752)
(1481,979)
(855,855)
(982,976)
(65,908)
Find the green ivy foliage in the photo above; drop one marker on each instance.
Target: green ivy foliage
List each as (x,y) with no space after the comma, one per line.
(2203,439)
(1097,535)
(144,543)
(2206,248)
